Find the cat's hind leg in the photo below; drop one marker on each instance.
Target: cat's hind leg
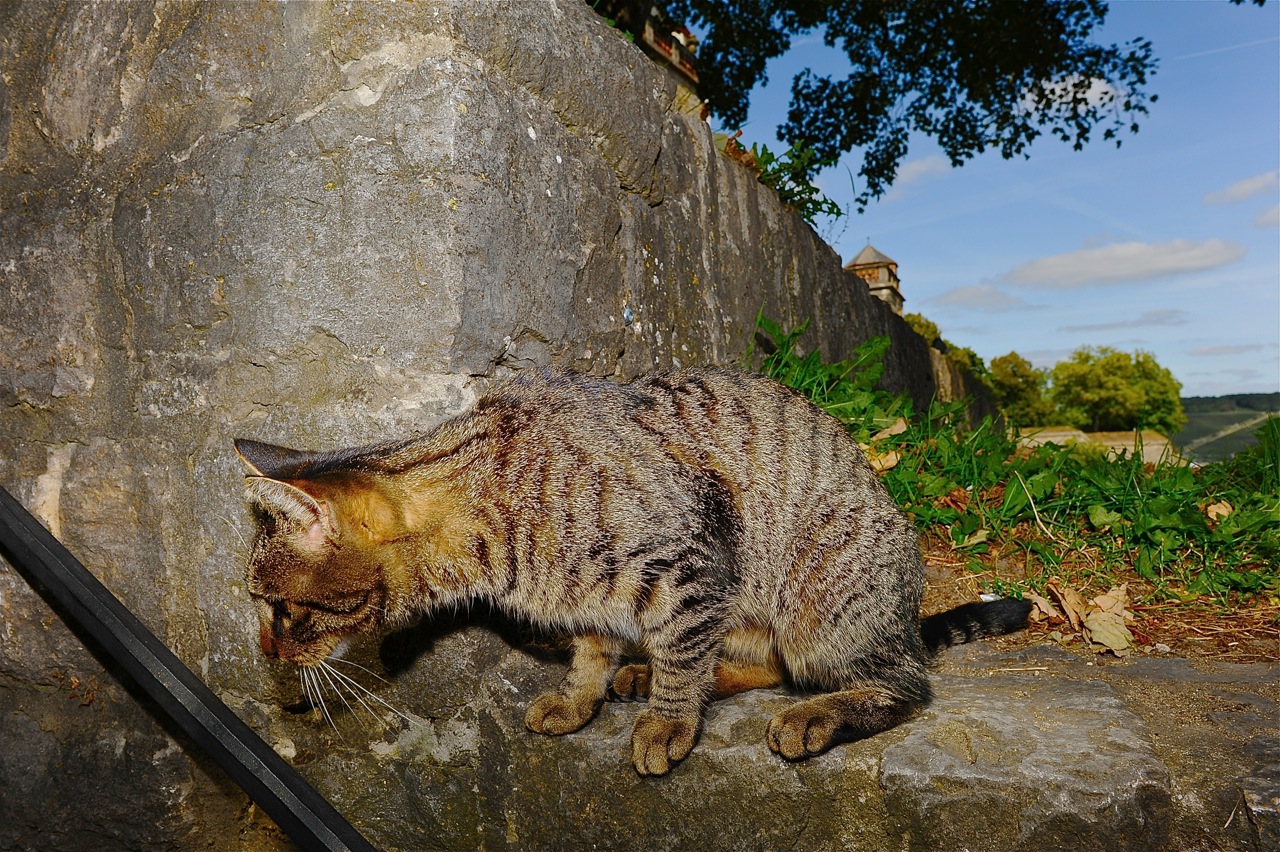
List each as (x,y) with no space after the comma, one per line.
(747,661)
(579,696)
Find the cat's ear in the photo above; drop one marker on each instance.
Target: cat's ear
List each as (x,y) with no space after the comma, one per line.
(307,513)
(270,460)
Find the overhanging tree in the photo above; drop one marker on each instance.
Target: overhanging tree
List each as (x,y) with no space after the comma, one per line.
(973,74)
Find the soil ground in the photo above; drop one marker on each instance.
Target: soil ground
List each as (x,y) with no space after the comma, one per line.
(1247,632)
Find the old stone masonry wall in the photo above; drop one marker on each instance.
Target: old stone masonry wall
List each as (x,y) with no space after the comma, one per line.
(326,223)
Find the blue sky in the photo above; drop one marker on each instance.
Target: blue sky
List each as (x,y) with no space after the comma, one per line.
(1169,244)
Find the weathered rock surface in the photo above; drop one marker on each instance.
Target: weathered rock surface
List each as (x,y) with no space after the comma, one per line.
(1261,789)
(324,224)
(1022,763)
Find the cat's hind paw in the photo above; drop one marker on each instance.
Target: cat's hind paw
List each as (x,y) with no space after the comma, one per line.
(803,730)
(631,683)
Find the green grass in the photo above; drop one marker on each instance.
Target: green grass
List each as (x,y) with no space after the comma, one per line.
(1066,509)
(846,389)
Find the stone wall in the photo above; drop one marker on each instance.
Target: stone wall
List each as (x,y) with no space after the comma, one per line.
(326,223)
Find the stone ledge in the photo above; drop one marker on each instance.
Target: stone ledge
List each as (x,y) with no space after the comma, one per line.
(997,762)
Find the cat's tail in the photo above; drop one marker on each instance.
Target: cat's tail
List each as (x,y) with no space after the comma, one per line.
(973,621)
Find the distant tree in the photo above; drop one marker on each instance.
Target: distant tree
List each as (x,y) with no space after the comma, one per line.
(966,358)
(1021,391)
(962,356)
(972,74)
(924,327)
(1234,402)
(1102,389)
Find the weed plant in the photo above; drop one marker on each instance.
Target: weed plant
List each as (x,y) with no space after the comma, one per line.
(1187,532)
(845,389)
(788,174)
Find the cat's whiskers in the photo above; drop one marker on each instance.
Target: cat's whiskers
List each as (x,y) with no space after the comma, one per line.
(323,670)
(306,686)
(364,669)
(315,692)
(321,677)
(343,682)
(235,530)
(360,692)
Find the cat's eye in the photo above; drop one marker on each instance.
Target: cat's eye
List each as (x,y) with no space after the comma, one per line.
(343,605)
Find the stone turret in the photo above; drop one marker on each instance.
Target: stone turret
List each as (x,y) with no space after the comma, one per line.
(881,274)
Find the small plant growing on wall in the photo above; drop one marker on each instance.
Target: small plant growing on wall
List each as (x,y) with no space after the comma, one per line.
(786,174)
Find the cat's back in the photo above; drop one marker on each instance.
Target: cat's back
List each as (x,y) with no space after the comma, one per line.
(753,432)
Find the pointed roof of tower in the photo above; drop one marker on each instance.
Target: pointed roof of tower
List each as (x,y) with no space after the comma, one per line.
(870,254)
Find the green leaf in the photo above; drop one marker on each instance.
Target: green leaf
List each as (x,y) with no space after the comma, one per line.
(1103,519)
(1041,485)
(1015,500)
(1145,563)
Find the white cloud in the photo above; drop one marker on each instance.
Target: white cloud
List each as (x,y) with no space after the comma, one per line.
(1227,349)
(1122,263)
(981,297)
(1159,317)
(1042,358)
(1270,217)
(1245,189)
(916,171)
(919,169)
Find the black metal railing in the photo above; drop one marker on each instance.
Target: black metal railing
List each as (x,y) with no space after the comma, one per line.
(272,783)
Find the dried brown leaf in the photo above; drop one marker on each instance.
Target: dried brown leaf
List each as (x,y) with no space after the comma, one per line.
(1108,630)
(1042,609)
(1218,511)
(1069,600)
(896,428)
(1104,622)
(880,462)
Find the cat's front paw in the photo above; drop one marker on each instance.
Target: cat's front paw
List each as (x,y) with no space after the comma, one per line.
(658,742)
(631,683)
(554,713)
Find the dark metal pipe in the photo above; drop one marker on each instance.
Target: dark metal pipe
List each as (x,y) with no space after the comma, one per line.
(272,783)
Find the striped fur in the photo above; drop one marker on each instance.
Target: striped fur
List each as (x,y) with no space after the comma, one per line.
(714,519)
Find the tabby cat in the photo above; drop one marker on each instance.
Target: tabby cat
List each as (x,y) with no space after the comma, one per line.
(713,519)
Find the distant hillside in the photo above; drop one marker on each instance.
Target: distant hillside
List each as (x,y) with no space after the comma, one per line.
(1207,415)
(1238,402)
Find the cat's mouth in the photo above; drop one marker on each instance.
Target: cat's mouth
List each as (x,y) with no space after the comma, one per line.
(309,655)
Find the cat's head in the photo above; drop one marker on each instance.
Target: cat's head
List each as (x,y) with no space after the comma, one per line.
(314,572)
